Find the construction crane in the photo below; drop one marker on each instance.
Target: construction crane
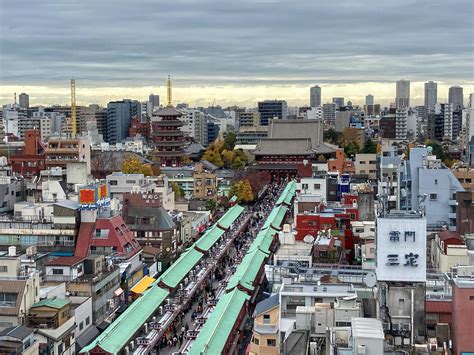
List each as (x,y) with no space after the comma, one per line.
(73,108)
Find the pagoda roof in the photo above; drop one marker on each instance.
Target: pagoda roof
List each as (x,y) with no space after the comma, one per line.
(169,111)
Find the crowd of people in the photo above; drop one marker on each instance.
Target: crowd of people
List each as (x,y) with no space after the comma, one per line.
(196,306)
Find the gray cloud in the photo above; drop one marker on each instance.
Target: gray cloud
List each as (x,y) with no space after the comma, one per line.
(235,42)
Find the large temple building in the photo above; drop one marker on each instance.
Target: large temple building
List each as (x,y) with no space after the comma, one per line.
(167,136)
(291,142)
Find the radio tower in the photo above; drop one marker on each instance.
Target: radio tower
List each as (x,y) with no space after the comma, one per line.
(73,108)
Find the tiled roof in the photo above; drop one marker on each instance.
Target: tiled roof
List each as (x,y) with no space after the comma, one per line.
(267,304)
(248,270)
(16,287)
(168,111)
(180,268)
(230,216)
(18,332)
(215,332)
(438,307)
(54,302)
(65,261)
(209,238)
(283,146)
(117,335)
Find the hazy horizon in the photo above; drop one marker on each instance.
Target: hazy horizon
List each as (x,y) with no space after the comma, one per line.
(233,52)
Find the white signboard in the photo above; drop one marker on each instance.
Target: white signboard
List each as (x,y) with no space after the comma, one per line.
(401,249)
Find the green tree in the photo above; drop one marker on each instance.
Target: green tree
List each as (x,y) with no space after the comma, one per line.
(177,191)
(437,150)
(243,190)
(351,149)
(229,141)
(333,137)
(133,165)
(369,147)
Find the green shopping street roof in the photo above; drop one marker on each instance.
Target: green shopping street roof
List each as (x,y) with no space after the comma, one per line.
(248,270)
(119,333)
(231,215)
(215,332)
(209,238)
(181,267)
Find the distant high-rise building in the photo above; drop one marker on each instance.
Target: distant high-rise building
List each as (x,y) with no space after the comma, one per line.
(329,114)
(154,100)
(24,100)
(339,101)
(470,118)
(456,97)
(119,115)
(369,100)
(402,98)
(315,96)
(269,109)
(431,94)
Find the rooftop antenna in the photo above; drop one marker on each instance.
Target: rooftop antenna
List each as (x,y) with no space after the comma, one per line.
(169,92)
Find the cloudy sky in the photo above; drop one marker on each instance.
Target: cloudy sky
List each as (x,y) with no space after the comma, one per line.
(233,52)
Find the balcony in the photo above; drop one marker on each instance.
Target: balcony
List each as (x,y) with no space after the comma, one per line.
(452,202)
(452,215)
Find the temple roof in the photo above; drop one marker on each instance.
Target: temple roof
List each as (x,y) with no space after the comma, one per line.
(283,146)
(169,111)
(297,129)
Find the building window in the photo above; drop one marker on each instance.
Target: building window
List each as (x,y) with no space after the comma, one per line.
(266,319)
(3,268)
(433,197)
(113,182)
(471,298)
(58,271)
(271,342)
(317,186)
(304,186)
(255,341)
(7,299)
(436,181)
(88,320)
(81,326)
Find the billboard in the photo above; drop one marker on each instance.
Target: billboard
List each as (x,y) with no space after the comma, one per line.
(93,196)
(401,249)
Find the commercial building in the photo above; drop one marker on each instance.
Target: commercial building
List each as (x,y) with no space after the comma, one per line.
(19,289)
(248,119)
(119,115)
(24,100)
(464,212)
(338,101)
(456,97)
(366,164)
(329,114)
(270,109)
(402,98)
(462,283)
(61,151)
(431,94)
(425,183)
(315,96)
(154,100)
(369,100)
(32,159)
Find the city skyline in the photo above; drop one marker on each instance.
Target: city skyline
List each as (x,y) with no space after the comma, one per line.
(117,50)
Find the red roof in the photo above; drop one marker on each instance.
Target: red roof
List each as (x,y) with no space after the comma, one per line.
(84,239)
(451,236)
(65,261)
(438,307)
